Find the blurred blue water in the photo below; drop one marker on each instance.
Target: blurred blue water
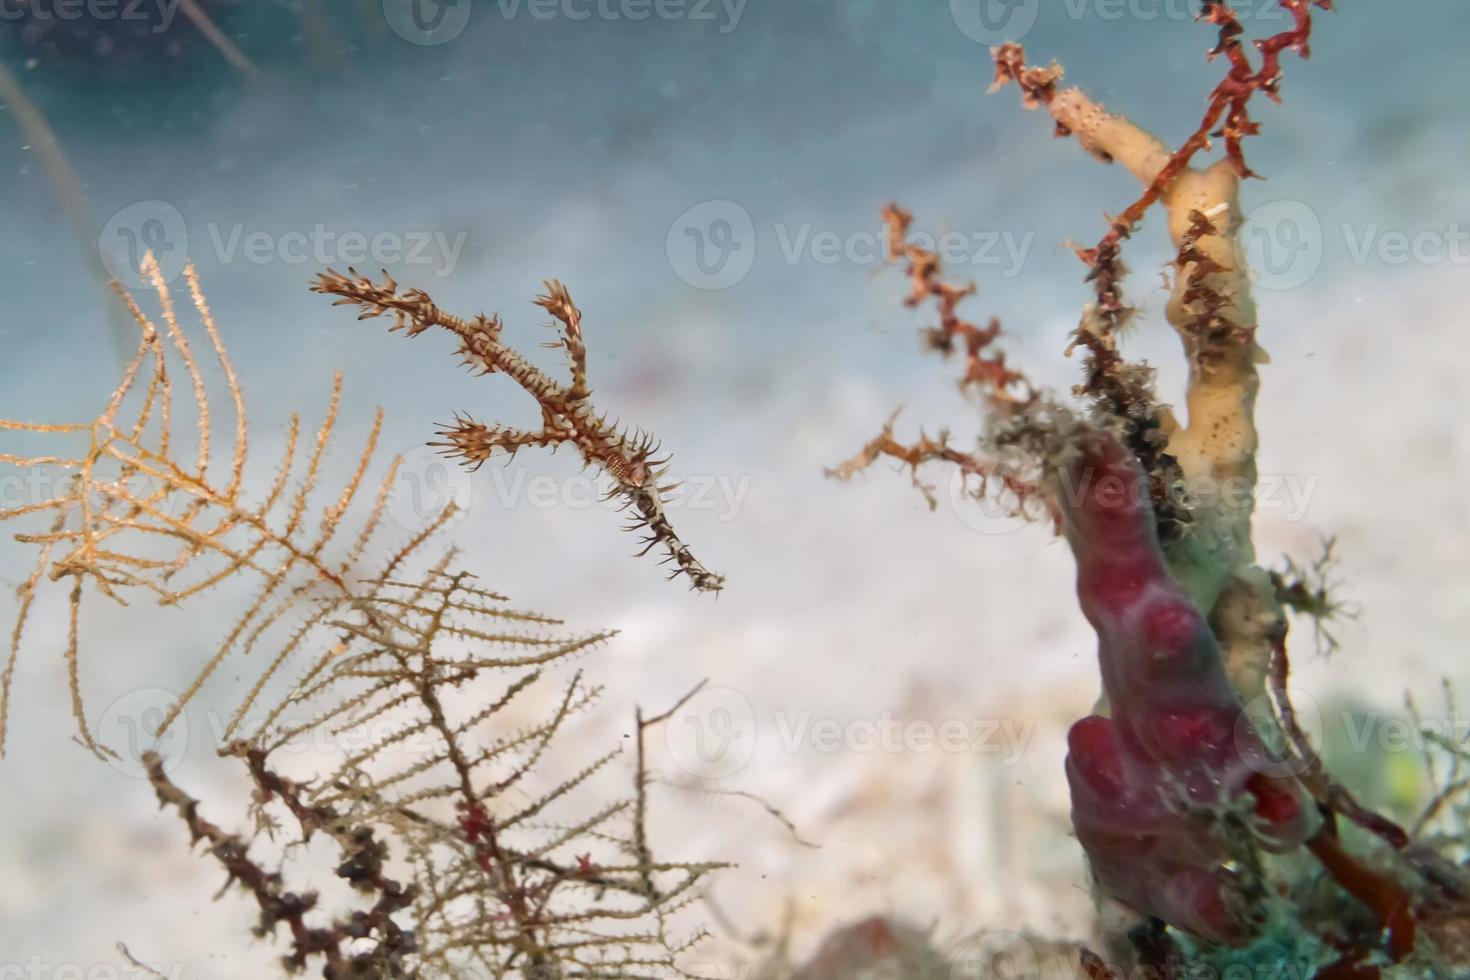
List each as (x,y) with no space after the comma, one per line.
(568,147)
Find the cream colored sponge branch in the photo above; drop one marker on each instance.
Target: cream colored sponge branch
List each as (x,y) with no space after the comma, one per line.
(1210,307)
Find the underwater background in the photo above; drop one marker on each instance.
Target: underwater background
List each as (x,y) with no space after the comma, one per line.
(686,174)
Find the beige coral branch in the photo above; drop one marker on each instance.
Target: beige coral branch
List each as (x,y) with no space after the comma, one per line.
(1211,308)
(129,488)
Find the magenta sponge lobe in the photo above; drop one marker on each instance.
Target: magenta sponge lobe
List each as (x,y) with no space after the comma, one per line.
(1176,749)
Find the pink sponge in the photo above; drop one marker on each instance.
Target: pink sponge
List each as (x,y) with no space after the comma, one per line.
(1177,744)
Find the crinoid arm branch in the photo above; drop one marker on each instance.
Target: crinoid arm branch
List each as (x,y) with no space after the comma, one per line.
(568,415)
(1004,390)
